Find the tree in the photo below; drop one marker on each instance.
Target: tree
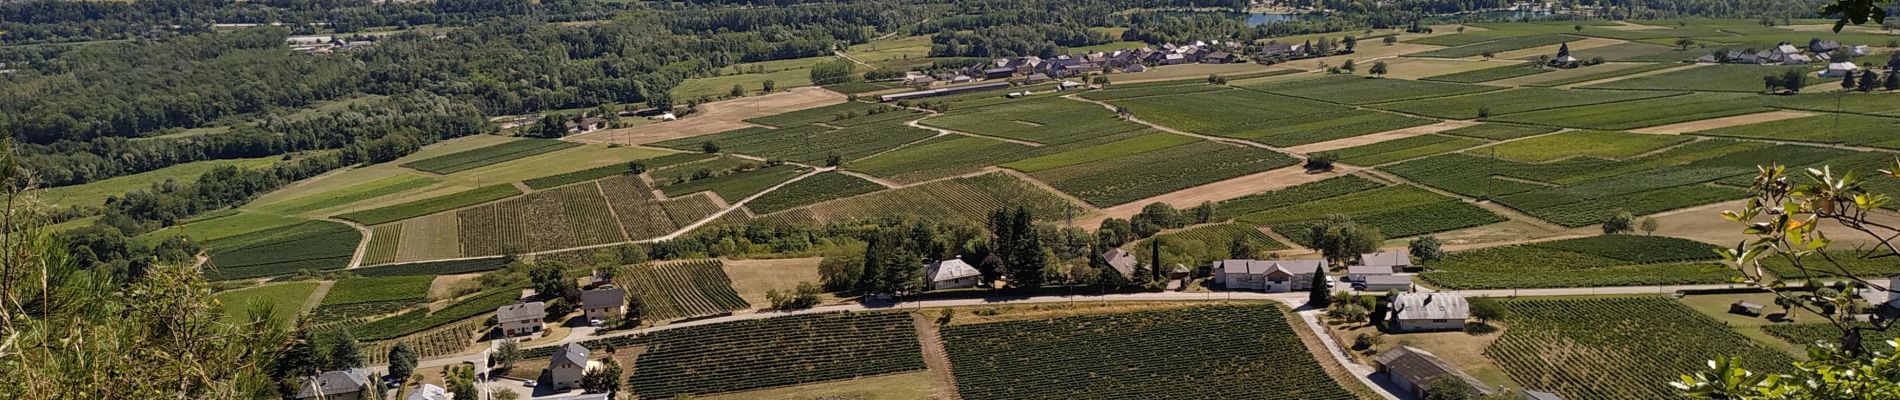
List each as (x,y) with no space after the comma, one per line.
(768,86)
(1426,248)
(345,352)
(833,160)
(636,167)
(1869,80)
(1391,39)
(737,91)
(1350,42)
(1242,249)
(1563,50)
(1382,308)
(402,361)
(459,380)
(709,147)
(1340,239)
(1349,66)
(1486,309)
(803,297)
(1319,295)
(1649,225)
(1321,162)
(1379,69)
(1620,222)
(1794,79)
(602,379)
(1684,42)
(1771,83)
(1856,12)
(1847,81)
(507,352)
(551,281)
(1450,387)
(1893,80)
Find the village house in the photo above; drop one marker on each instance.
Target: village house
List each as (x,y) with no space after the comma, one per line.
(1178,272)
(1382,283)
(1839,69)
(1414,371)
(1267,275)
(567,366)
(1121,261)
(428,392)
(1359,273)
(1823,46)
(1417,312)
(951,274)
(521,318)
(604,303)
(1394,260)
(335,385)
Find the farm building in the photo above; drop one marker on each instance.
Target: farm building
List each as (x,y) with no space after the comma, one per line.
(942,91)
(1267,275)
(1122,261)
(951,274)
(604,303)
(1839,69)
(428,392)
(1381,283)
(1359,273)
(567,366)
(521,319)
(1414,312)
(1394,260)
(1415,371)
(335,385)
(1036,78)
(1536,395)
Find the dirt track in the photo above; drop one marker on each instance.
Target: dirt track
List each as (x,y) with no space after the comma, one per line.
(719,116)
(1724,122)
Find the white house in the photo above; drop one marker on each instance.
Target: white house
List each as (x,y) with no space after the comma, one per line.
(604,303)
(1415,371)
(1382,283)
(1414,312)
(1859,50)
(428,392)
(522,318)
(567,366)
(951,274)
(1122,261)
(1267,275)
(1359,273)
(335,385)
(1839,69)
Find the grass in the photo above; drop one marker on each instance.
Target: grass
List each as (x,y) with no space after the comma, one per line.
(95,193)
(419,208)
(1600,144)
(219,225)
(1498,46)
(486,156)
(351,194)
(734,187)
(1402,149)
(1124,147)
(379,289)
(815,189)
(1490,74)
(1347,89)
(1499,131)
(1711,78)
(1641,113)
(1512,101)
(784,74)
(285,299)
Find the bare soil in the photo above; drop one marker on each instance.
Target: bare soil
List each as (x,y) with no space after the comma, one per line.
(1724,122)
(719,116)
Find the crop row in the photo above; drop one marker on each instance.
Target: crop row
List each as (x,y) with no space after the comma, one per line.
(1402,149)
(379,216)
(1499,131)
(421,319)
(942,156)
(569,216)
(965,199)
(432,268)
(1113,356)
(812,115)
(734,187)
(1610,260)
(685,211)
(1617,348)
(1407,221)
(1241,111)
(446,340)
(1350,89)
(351,194)
(1515,101)
(772,352)
(639,211)
(1490,74)
(1052,120)
(312,245)
(1641,113)
(1331,187)
(379,289)
(383,242)
(1129,91)
(611,170)
(815,189)
(682,289)
(1139,176)
(496,154)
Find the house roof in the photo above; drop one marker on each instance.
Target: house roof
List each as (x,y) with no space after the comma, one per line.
(1431,306)
(428,392)
(588,396)
(1843,66)
(1388,280)
(950,270)
(1121,260)
(1422,368)
(1787,49)
(1368,270)
(331,383)
(1263,267)
(1536,395)
(604,298)
(1394,258)
(572,354)
(1178,269)
(522,311)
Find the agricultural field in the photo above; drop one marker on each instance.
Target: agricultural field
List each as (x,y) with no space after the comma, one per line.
(1641,113)
(93,194)
(1497,46)
(433,268)
(605,171)
(835,112)
(1598,261)
(1616,348)
(351,194)
(1634,51)
(1850,261)
(641,213)
(942,156)
(418,320)
(378,216)
(682,289)
(1133,90)
(1125,147)
(1049,120)
(1598,144)
(1594,73)
(1402,149)
(384,242)
(286,301)
(1064,358)
(1882,104)
(496,154)
(1265,118)
(1512,101)
(1329,188)
(736,186)
(1347,89)
(1128,178)
(1398,211)
(1849,129)
(221,224)
(1204,244)
(815,189)
(546,220)
(784,74)
(967,199)
(809,143)
(411,289)
(782,351)
(1490,74)
(1810,334)
(307,246)
(1499,131)
(1710,78)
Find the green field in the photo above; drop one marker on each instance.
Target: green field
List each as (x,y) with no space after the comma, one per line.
(1596,73)
(782,351)
(1497,131)
(222,224)
(736,186)
(1878,104)
(351,194)
(680,289)
(1634,51)
(1329,188)
(1124,147)
(1599,144)
(815,189)
(419,320)
(93,194)
(1089,357)
(496,154)
(1490,74)
(1145,89)
(432,205)
(1348,89)
(570,216)
(308,246)
(1858,130)
(942,156)
(1402,149)
(1609,260)
(370,290)
(784,74)
(1710,78)
(1398,211)
(810,143)
(1642,113)
(962,199)
(1513,101)
(285,300)
(1498,46)
(1265,118)
(1617,348)
(1133,177)
(611,170)
(1048,120)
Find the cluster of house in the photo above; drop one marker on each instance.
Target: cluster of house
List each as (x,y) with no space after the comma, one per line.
(1375,272)
(1033,69)
(953,273)
(526,318)
(325,44)
(566,369)
(1785,53)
